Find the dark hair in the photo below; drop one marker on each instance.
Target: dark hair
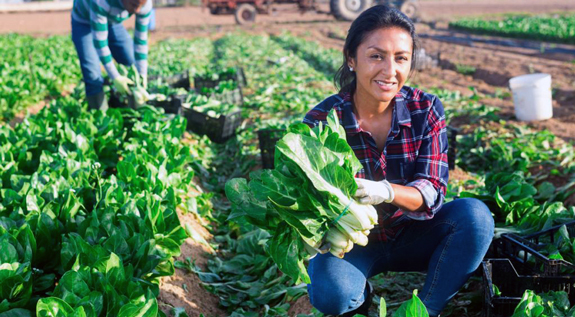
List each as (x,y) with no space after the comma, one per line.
(374,18)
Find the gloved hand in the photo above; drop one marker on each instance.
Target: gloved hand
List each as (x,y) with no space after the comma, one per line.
(145,81)
(121,84)
(373,193)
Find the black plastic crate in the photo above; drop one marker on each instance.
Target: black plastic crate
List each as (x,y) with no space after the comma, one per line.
(525,252)
(171,105)
(239,77)
(452,151)
(268,139)
(116,102)
(175,81)
(512,285)
(217,129)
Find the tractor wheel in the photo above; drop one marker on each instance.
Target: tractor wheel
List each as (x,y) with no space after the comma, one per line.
(245,14)
(348,10)
(410,9)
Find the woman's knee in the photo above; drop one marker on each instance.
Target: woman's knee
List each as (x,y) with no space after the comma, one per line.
(334,298)
(473,216)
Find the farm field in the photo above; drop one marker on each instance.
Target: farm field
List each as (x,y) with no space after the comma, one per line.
(126,214)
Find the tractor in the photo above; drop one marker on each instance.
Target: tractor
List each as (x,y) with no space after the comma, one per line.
(245,11)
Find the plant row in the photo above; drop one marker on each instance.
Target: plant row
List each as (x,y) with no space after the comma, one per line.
(88,210)
(33,69)
(559,28)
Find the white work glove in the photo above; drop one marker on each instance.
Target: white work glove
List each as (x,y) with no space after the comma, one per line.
(121,84)
(145,81)
(373,193)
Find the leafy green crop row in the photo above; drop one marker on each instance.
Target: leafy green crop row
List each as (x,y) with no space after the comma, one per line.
(32,69)
(544,28)
(326,61)
(279,81)
(88,210)
(175,56)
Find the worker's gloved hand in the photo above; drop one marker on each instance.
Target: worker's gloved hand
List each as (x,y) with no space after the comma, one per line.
(121,84)
(145,81)
(373,193)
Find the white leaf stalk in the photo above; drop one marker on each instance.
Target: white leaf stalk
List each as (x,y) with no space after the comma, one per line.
(141,96)
(340,244)
(352,228)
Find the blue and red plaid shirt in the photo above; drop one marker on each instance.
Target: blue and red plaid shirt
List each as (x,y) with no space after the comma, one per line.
(415,153)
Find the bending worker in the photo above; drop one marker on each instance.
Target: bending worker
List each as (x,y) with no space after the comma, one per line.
(98,35)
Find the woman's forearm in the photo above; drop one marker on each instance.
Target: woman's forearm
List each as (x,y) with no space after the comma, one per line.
(408,198)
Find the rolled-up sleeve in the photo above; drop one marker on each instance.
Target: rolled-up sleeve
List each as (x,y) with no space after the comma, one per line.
(431,168)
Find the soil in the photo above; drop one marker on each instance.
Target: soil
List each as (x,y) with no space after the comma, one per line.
(300,306)
(494,66)
(184,289)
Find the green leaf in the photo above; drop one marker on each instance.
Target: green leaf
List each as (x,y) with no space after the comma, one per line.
(285,249)
(149,308)
(382,307)
(412,308)
(53,307)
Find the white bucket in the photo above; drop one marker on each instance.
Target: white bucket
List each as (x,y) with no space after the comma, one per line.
(532,96)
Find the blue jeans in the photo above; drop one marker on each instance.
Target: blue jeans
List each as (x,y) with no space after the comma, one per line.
(152,24)
(449,247)
(121,46)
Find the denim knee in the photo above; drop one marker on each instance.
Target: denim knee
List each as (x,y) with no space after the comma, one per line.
(334,299)
(473,216)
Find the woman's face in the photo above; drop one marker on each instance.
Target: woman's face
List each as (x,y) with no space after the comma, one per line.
(382,63)
(133,6)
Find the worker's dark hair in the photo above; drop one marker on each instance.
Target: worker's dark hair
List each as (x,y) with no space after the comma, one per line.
(374,18)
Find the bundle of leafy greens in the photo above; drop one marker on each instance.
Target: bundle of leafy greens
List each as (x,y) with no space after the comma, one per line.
(138,86)
(550,304)
(305,201)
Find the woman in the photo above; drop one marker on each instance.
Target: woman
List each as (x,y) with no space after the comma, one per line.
(99,36)
(398,134)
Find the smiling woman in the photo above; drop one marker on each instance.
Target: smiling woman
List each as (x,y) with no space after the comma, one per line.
(398,133)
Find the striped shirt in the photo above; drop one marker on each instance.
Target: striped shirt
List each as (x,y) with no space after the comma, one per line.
(98,13)
(415,152)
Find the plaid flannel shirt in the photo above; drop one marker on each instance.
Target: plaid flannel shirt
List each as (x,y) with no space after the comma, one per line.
(415,153)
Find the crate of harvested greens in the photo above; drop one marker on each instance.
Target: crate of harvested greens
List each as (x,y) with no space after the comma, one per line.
(172,104)
(504,285)
(219,121)
(548,252)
